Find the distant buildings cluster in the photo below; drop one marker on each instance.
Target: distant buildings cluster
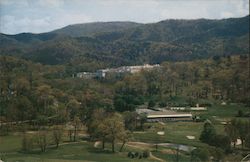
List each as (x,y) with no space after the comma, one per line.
(123,69)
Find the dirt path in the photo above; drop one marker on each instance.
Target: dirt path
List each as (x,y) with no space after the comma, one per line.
(155,158)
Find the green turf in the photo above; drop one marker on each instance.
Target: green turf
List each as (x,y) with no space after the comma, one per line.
(10,143)
(224,111)
(80,151)
(172,157)
(176,132)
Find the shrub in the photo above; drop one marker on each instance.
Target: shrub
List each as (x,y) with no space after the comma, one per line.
(208,132)
(145,154)
(162,104)
(199,155)
(131,155)
(136,154)
(240,113)
(217,153)
(222,142)
(151,103)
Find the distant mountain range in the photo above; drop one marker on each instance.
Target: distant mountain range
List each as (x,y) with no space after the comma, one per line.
(105,44)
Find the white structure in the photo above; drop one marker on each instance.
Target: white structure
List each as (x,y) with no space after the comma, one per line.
(168,116)
(123,69)
(165,115)
(86,75)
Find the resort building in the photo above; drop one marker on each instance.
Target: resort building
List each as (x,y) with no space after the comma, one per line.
(123,69)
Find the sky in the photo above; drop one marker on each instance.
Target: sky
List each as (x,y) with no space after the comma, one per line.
(36,16)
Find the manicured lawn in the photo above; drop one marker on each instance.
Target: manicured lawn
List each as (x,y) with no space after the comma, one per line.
(224,111)
(71,152)
(10,143)
(176,132)
(83,151)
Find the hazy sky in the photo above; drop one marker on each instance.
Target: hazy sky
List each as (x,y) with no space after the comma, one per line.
(37,16)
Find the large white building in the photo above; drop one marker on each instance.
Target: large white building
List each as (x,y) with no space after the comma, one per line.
(123,69)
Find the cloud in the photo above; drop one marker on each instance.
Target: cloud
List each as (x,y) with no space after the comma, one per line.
(14,2)
(12,25)
(71,18)
(226,14)
(44,15)
(51,3)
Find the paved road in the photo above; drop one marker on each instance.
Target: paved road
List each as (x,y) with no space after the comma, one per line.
(185,148)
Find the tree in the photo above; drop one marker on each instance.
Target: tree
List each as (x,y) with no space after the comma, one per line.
(70,130)
(208,132)
(142,119)
(222,142)
(97,117)
(151,103)
(129,93)
(130,120)
(243,130)
(240,113)
(113,127)
(72,108)
(247,142)
(21,86)
(76,123)
(27,142)
(44,93)
(125,137)
(21,108)
(232,131)
(217,153)
(57,135)
(42,139)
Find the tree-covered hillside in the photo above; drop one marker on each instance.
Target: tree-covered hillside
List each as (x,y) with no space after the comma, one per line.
(124,43)
(90,29)
(29,90)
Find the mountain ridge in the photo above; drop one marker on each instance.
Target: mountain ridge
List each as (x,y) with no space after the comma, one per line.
(168,40)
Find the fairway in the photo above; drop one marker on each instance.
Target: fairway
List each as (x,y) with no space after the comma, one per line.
(82,151)
(176,132)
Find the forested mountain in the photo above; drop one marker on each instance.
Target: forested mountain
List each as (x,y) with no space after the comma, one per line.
(175,30)
(99,45)
(90,29)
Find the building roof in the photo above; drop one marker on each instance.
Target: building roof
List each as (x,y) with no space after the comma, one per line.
(167,114)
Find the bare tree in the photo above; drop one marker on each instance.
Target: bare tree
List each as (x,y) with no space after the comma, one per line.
(57,135)
(42,140)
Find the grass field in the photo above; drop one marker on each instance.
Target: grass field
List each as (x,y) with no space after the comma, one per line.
(223,111)
(10,151)
(83,151)
(175,132)
(10,143)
